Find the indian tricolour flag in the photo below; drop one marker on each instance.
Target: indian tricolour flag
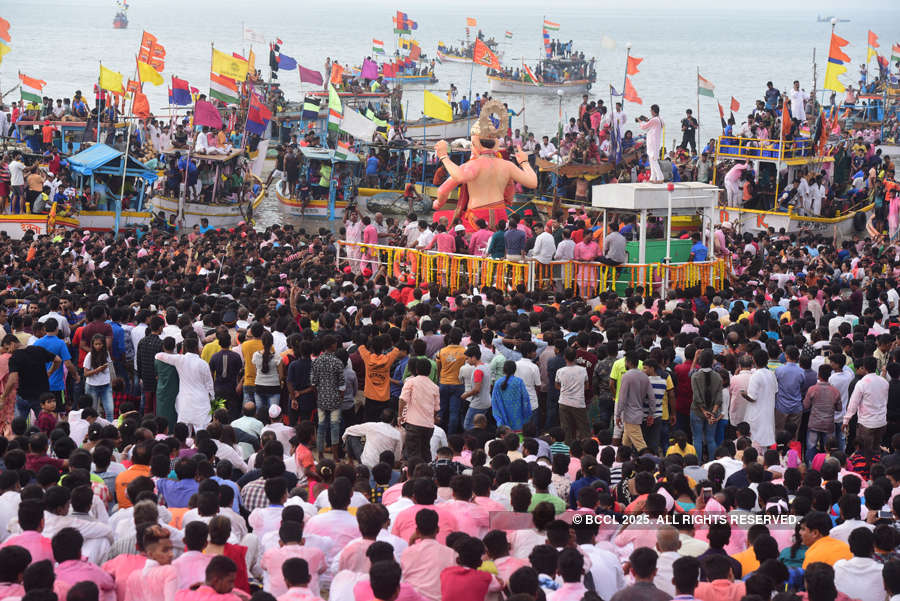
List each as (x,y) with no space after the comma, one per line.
(223,89)
(335,110)
(31,88)
(895,52)
(508,35)
(377,46)
(530,76)
(551,25)
(342,151)
(705,87)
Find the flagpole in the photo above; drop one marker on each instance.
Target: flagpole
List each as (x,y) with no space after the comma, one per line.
(697,133)
(125,156)
(99,92)
(625,79)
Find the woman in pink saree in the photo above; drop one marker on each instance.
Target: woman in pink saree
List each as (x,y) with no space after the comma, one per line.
(586,275)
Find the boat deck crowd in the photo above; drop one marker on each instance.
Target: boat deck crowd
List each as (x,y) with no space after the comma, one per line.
(224,414)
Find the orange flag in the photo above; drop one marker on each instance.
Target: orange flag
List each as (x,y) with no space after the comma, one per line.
(4,30)
(337,74)
(483,56)
(735,105)
(835,52)
(631,94)
(873,39)
(470,22)
(141,106)
(632,66)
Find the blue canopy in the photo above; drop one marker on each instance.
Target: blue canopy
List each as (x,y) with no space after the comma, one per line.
(103,159)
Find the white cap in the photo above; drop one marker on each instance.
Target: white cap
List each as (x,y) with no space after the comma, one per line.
(460,228)
(274,411)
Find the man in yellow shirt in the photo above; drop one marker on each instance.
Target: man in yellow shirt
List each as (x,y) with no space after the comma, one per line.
(252,344)
(814,530)
(449,361)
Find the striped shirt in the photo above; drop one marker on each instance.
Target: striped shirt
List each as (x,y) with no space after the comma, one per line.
(559,447)
(658,385)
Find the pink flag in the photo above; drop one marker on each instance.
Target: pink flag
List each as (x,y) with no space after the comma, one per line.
(310,76)
(369,70)
(206,114)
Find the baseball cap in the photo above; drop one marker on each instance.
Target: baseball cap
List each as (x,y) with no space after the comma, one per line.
(460,228)
(274,411)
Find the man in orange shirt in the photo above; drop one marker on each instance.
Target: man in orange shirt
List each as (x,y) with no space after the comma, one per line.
(814,530)
(140,466)
(378,361)
(47,134)
(449,361)
(248,347)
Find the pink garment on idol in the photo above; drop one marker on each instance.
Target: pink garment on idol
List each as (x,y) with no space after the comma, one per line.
(273,559)
(405,523)
(120,567)
(153,582)
(191,568)
(207,593)
(73,571)
(36,543)
(422,565)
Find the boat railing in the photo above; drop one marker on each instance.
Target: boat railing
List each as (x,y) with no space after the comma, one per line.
(460,272)
(764,149)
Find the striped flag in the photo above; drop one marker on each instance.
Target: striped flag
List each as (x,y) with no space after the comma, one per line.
(508,35)
(311,106)
(550,25)
(530,76)
(377,46)
(335,111)
(31,88)
(342,151)
(895,52)
(705,87)
(223,89)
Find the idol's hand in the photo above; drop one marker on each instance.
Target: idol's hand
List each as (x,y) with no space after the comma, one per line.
(440,149)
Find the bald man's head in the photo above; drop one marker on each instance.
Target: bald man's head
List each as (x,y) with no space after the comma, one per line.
(667,539)
(249,409)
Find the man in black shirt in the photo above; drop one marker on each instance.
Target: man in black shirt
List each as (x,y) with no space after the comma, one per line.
(689,132)
(28,372)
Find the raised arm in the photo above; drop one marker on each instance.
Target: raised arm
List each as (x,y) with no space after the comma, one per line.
(523,173)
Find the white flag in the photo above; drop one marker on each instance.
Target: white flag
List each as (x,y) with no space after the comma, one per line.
(607,43)
(253,36)
(357,126)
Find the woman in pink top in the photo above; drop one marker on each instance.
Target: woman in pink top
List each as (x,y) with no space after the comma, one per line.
(586,275)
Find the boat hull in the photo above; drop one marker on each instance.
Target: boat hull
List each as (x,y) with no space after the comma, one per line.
(219,216)
(15,226)
(439,130)
(105,221)
(311,208)
(508,86)
(753,221)
(452,58)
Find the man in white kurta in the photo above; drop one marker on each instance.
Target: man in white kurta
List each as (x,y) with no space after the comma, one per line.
(195,384)
(798,102)
(654,127)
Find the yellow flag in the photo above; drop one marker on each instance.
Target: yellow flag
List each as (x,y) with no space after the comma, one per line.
(4,50)
(229,66)
(871,52)
(111,80)
(148,74)
(251,61)
(831,77)
(437,108)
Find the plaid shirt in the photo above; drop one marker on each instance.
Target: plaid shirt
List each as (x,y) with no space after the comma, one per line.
(253,494)
(146,354)
(327,375)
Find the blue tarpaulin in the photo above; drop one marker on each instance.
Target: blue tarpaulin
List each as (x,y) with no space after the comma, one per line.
(104,159)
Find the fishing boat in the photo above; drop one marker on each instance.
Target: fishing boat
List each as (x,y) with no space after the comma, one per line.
(224,208)
(465,50)
(774,159)
(322,201)
(120,21)
(557,74)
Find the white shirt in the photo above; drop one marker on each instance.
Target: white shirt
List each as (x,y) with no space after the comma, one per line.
(283,434)
(340,526)
(842,531)
(379,437)
(565,251)
(224,451)
(195,387)
(425,238)
(9,508)
(172,330)
(664,572)
(893,300)
(546,151)
(859,578)
(16,173)
(762,388)
(438,440)
(841,380)
(531,375)
(798,107)
(411,231)
(869,401)
(97,536)
(238,524)
(606,570)
(544,248)
(730,464)
(356,500)
(137,334)
(62,321)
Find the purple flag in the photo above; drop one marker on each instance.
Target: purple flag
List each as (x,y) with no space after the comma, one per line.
(206,114)
(369,70)
(310,76)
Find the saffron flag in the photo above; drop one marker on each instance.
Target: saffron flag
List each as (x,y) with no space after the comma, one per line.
(415,52)
(337,74)
(309,76)
(258,117)
(631,94)
(837,60)
(631,68)
(31,88)
(377,46)
(335,113)
(133,86)
(735,105)
(529,75)
(141,106)
(550,25)
(470,22)
(357,125)
(873,44)
(180,93)
(229,66)
(251,62)
(705,87)
(152,52)
(722,115)
(111,80)
(310,108)
(342,151)
(223,89)
(206,114)
(437,108)
(286,63)
(482,55)
(4,30)
(389,70)
(253,36)
(148,74)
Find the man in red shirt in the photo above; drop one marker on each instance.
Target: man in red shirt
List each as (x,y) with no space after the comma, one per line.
(97,325)
(684,395)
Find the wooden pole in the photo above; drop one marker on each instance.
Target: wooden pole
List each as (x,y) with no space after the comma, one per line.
(125,156)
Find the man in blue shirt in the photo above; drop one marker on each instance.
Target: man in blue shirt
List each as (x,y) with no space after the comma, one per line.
(699,252)
(789,398)
(372,168)
(514,240)
(464,106)
(117,352)
(204,225)
(177,493)
(53,343)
